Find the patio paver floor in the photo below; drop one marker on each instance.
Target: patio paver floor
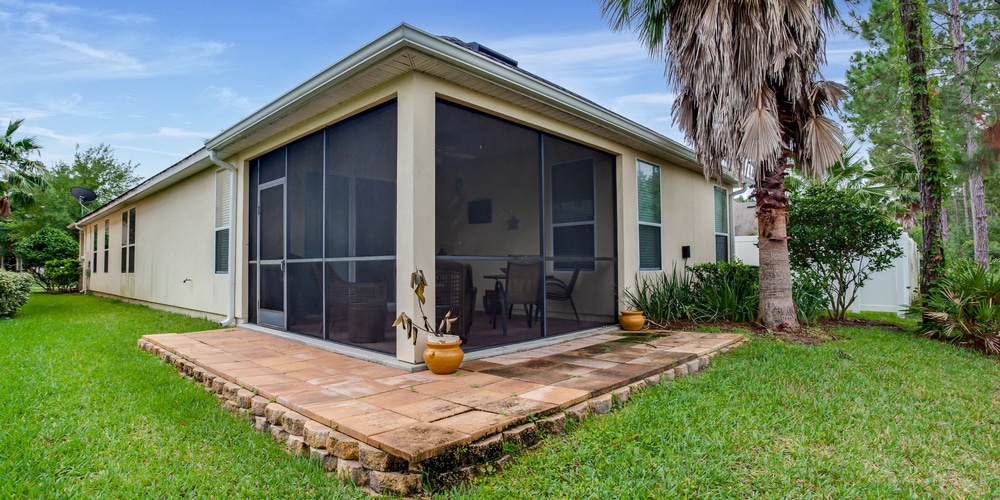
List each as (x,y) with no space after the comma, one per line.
(418,415)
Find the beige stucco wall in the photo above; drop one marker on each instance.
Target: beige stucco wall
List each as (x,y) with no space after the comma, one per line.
(174,242)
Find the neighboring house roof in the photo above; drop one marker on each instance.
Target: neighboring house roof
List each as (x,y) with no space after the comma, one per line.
(402,50)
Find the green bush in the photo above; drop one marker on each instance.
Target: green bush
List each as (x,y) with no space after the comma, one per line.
(838,235)
(661,297)
(46,245)
(809,294)
(965,306)
(725,291)
(15,289)
(63,275)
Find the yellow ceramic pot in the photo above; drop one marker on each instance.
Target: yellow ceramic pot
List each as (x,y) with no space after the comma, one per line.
(443,354)
(632,321)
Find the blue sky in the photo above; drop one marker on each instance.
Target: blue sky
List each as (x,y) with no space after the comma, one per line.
(154,80)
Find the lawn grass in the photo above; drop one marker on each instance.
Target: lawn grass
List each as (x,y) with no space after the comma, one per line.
(879,414)
(86,414)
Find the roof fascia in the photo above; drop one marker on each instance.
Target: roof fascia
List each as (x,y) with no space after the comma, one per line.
(406,36)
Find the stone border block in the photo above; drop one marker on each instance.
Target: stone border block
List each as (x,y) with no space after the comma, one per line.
(342,446)
(258,405)
(521,436)
(352,470)
(244,398)
(601,404)
(273,413)
(315,433)
(579,411)
(293,422)
(394,483)
(296,445)
(553,425)
(378,460)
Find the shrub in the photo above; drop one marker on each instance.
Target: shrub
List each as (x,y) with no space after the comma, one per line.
(15,289)
(837,235)
(809,294)
(725,291)
(63,275)
(965,306)
(46,245)
(661,297)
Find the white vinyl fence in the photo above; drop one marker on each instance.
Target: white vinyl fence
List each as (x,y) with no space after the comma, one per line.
(887,291)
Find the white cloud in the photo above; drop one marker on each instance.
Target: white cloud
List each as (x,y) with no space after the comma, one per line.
(62,139)
(114,61)
(654,99)
(51,42)
(227,96)
(176,132)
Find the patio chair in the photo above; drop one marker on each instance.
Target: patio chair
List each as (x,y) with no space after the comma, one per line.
(557,289)
(454,291)
(341,293)
(524,286)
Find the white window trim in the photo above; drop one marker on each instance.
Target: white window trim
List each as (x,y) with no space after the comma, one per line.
(658,225)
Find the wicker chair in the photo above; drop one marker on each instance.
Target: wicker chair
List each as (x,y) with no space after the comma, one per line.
(341,293)
(453,289)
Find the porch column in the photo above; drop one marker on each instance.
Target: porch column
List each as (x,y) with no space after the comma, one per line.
(415,235)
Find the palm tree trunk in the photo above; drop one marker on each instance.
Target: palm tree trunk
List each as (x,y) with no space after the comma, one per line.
(777,309)
(932,173)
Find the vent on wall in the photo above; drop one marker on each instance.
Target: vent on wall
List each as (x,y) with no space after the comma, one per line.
(492,53)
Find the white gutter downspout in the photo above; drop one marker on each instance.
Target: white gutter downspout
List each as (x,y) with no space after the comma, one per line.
(231,311)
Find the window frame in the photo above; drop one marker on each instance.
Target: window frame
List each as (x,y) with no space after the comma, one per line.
(725,213)
(94,254)
(658,225)
(107,242)
(128,241)
(220,225)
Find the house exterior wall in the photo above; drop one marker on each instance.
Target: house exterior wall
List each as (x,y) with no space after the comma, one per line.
(175,229)
(174,242)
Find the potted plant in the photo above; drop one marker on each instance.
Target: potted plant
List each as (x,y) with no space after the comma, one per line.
(443,354)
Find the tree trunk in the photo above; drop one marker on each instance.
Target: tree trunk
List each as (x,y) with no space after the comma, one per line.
(965,208)
(944,221)
(980,229)
(932,173)
(777,309)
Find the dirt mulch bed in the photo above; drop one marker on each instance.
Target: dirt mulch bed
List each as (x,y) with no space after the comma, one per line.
(807,335)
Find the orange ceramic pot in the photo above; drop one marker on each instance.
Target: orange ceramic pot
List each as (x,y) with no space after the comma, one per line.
(444,355)
(632,321)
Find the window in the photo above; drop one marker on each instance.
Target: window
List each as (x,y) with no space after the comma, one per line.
(94,257)
(650,252)
(223,199)
(107,240)
(721,224)
(128,241)
(573,222)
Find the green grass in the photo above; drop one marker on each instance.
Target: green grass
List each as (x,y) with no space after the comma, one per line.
(880,414)
(86,414)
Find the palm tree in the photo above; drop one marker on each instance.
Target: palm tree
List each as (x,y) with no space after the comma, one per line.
(21,175)
(749,94)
